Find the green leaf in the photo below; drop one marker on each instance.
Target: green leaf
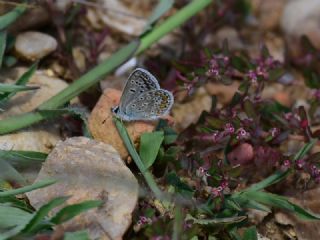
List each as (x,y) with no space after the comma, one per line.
(239,63)
(35,223)
(250,109)
(149,147)
(227,220)
(10,17)
(162,7)
(80,235)
(280,202)
(29,188)
(250,234)
(71,211)
(3,41)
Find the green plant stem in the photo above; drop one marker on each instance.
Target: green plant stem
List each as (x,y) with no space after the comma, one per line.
(136,158)
(94,75)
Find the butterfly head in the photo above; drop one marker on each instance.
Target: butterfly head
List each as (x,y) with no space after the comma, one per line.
(115,110)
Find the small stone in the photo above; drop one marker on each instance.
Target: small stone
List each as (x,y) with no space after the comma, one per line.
(242,154)
(305,23)
(103,129)
(34,45)
(90,170)
(186,113)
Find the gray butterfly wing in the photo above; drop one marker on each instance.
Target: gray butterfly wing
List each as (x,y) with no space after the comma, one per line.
(139,81)
(150,105)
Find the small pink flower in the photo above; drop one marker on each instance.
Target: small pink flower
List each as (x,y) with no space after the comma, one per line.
(229,128)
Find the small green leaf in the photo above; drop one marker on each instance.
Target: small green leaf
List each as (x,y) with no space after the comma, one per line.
(80,235)
(227,220)
(149,147)
(239,63)
(29,188)
(71,211)
(250,109)
(250,234)
(10,17)
(162,7)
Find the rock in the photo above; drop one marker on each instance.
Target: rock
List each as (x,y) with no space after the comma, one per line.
(305,23)
(43,137)
(269,13)
(223,92)
(242,154)
(103,129)
(90,170)
(33,18)
(186,113)
(230,34)
(34,45)
(129,17)
(29,100)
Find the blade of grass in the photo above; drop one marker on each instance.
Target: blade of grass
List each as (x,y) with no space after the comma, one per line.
(92,77)
(3,41)
(10,17)
(281,202)
(10,88)
(43,211)
(71,211)
(135,156)
(29,188)
(21,82)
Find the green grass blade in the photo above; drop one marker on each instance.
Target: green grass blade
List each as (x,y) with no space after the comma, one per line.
(3,43)
(9,88)
(10,17)
(92,77)
(29,188)
(71,211)
(274,178)
(281,202)
(14,123)
(20,83)
(135,156)
(162,7)
(305,149)
(34,224)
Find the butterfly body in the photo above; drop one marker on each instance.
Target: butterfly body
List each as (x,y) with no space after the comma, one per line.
(142,98)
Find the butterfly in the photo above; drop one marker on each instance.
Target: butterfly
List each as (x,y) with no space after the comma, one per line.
(142,98)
